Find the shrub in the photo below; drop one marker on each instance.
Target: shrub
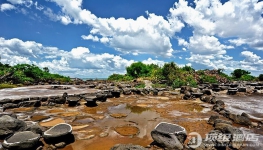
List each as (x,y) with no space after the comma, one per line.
(178,83)
(119,77)
(209,79)
(247,77)
(260,77)
(140,85)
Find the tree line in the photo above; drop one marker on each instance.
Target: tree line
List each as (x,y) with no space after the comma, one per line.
(28,74)
(176,76)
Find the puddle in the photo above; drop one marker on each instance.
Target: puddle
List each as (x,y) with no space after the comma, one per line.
(136,109)
(127,130)
(177,113)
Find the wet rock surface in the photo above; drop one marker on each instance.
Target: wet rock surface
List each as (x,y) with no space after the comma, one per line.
(10,125)
(25,140)
(126,115)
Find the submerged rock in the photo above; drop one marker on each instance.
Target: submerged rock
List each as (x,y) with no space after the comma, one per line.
(24,140)
(127,147)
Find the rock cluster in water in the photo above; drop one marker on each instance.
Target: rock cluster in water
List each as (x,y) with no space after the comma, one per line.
(165,135)
(17,135)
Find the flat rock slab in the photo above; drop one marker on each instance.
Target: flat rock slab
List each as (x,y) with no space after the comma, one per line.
(169,128)
(58,133)
(22,140)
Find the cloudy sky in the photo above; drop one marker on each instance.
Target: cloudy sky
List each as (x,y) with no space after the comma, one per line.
(95,38)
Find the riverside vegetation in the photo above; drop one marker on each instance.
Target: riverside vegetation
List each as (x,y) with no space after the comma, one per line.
(172,75)
(25,74)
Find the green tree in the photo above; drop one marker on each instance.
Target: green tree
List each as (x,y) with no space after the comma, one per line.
(170,72)
(46,69)
(238,73)
(137,69)
(260,77)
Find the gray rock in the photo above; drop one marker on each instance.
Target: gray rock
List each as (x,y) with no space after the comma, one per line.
(22,141)
(222,121)
(127,91)
(127,147)
(170,136)
(207,98)
(212,119)
(36,128)
(101,97)
(220,103)
(60,144)
(116,93)
(73,101)
(242,120)
(58,133)
(9,106)
(9,125)
(31,103)
(207,92)
(187,95)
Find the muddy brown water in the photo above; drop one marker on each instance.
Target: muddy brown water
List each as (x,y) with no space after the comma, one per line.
(128,119)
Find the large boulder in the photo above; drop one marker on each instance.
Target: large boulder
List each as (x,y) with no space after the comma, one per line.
(127,147)
(207,98)
(25,140)
(187,95)
(169,136)
(116,93)
(73,101)
(59,133)
(9,125)
(90,101)
(101,97)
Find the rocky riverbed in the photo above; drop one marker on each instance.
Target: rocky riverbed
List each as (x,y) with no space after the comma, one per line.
(119,114)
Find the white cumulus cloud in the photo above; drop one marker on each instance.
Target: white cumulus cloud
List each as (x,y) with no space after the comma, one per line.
(6,6)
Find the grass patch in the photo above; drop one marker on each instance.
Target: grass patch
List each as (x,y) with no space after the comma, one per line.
(158,85)
(4,86)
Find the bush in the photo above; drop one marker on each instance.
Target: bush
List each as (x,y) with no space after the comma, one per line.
(178,83)
(209,79)
(247,77)
(157,85)
(137,69)
(3,86)
(140,85)
(119,77)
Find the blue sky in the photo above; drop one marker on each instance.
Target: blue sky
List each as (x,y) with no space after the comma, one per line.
(92,38)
